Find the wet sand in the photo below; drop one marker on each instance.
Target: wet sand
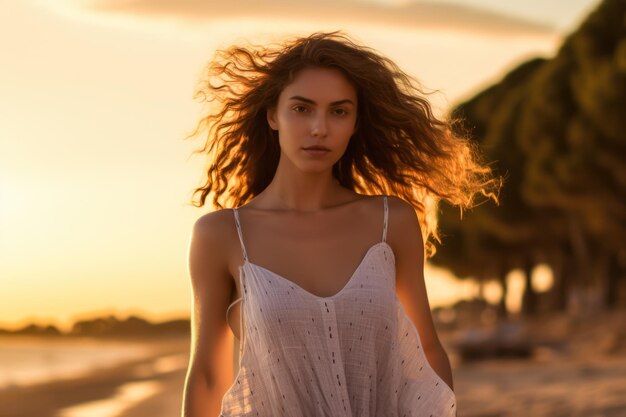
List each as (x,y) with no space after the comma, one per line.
(48,399)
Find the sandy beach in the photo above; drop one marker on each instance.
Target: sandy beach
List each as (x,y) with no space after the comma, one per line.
(580,372)
(163,371)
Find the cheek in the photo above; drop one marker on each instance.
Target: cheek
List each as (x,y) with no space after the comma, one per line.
(292,123)
(347,130)
(291,134)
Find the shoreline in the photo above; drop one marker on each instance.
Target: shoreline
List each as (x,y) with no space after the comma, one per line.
(165,364)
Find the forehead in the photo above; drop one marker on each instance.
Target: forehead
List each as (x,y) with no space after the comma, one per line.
(323,84)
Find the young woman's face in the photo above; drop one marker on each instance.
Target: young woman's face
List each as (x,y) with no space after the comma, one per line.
(318,108)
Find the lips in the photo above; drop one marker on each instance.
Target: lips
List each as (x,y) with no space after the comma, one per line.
(316,148)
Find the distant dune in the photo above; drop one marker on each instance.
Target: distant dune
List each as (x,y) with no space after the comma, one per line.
(109,326)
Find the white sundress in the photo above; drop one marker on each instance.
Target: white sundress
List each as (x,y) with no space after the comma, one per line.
(352,354)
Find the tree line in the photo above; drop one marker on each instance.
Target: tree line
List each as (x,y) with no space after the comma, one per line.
(555,129)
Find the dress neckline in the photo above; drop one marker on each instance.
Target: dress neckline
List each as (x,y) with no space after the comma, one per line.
(338,293)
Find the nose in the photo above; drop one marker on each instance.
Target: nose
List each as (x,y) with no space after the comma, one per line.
(319,126)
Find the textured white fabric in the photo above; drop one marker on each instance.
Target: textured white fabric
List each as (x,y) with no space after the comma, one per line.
(355,353)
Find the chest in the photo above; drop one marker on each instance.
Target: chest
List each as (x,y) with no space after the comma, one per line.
(271,299)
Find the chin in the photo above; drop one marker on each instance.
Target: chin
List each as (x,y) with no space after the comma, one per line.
(316,170)
(314,167)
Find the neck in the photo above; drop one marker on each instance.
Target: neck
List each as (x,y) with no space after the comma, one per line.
(304,191)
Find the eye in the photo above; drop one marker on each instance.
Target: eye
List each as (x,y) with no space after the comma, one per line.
(341,112)
(299,108)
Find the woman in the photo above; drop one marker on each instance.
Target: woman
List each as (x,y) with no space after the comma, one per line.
(332,162)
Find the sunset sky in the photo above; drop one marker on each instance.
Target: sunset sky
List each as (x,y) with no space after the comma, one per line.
(95,176)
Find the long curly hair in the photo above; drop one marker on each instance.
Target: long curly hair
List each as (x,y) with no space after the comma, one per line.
(399,147)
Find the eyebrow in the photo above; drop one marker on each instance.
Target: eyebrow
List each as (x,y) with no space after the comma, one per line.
(307,100)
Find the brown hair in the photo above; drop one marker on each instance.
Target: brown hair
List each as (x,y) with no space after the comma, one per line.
(399,147)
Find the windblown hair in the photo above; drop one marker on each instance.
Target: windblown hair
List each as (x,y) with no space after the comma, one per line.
(399,147)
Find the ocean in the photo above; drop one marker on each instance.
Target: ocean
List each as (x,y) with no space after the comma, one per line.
(26,360)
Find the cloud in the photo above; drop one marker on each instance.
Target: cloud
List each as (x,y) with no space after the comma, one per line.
(410,16)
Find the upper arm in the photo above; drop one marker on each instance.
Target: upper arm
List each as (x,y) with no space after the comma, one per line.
(406,234)
(211,289)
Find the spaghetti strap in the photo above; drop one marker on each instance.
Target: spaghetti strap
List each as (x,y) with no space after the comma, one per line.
(232,304)
(385,216)
(238,224)
(242,285)
(241,334)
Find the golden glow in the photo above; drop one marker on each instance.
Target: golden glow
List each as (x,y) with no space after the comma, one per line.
(516,284)
(444,288)
(95,178)
(543,278)
(492,291)
(127,395)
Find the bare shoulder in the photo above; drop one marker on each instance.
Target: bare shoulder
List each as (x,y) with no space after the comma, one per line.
(401,212)
(215,225)
(208,251)
(404,231)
